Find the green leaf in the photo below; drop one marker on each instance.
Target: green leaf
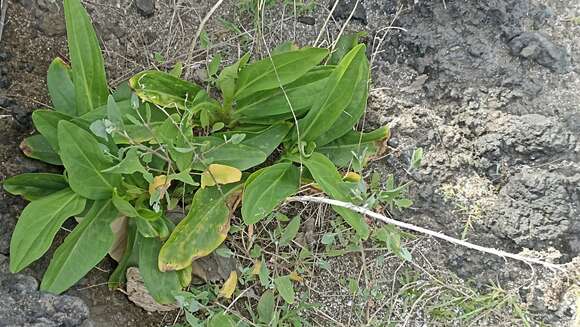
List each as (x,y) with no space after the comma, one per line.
(285,288)
(273,103)
(129,165)
(227,78)
(84,161)
(37,147)
(340,151)
(416,158)
(39,223)
(82,249)
(160,285)
(151,224)
(166,90)
(266,307)
(124,207)
(325,174)
(88,69)
(277,70)
(221,320)
(32,186)
(123,92)
(264,192)
(61,88)
(353,110)
(113,113)
(269,139)
(214,65)
(335,97)
(290,231)
(345,43)
(46,122)
(218,151)
(203,229)
(177,69)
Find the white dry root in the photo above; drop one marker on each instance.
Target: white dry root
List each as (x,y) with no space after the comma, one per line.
(426,231)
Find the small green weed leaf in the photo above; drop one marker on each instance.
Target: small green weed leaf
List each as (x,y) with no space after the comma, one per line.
(264,275)
(184,177)
(37,147)
(325,174)
(416,158)
(345,43)
(32,186)
(221,319)
(266,307)
(129,165)
(337,94)
(88,68)
(84,161)
(264,192)
(290,231)
(273,104)
(354,108)
(39,223)
(340,151)
(277,70)
(160,284)
(82,249)
(166,90)
(284,287)
(185,276)
(214,65)
(61,88)
(227,78)
(203,229)
(46,122)
(122,93)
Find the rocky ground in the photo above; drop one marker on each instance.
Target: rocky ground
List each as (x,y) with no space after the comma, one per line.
(489,89)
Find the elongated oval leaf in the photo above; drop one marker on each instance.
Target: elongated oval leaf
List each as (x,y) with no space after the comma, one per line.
(88,69)
(61,88)
(269,139)
(228,76)
(353,110)
(37,147)
(39,223)
(325,174)
(218,151)
(46,122)
(32,186)
(160,285)
(340,151)
(266,191)
(278,70)
(82,249)
(285,288)
(335,97)
(84,161)
(166,90)
(273,103)
(203,229)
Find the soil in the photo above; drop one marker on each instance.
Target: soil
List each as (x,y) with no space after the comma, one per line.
(489,89)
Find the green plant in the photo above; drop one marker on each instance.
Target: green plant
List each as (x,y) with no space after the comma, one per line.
(160,143)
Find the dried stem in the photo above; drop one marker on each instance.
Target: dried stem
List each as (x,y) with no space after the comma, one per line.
(425,231)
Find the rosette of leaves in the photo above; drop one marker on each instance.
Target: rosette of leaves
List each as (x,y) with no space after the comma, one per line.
(159,143)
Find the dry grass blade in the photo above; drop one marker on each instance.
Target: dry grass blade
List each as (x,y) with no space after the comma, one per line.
(3,9)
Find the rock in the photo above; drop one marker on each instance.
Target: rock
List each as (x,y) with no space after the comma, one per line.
(22,305)
(345,7)
(145,7)
(535,46)
(139,295)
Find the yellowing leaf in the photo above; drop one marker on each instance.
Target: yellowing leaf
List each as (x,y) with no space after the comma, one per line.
(159,183)
(351,176)
(295,277)
(257,267)
(229,286)
(220,174)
